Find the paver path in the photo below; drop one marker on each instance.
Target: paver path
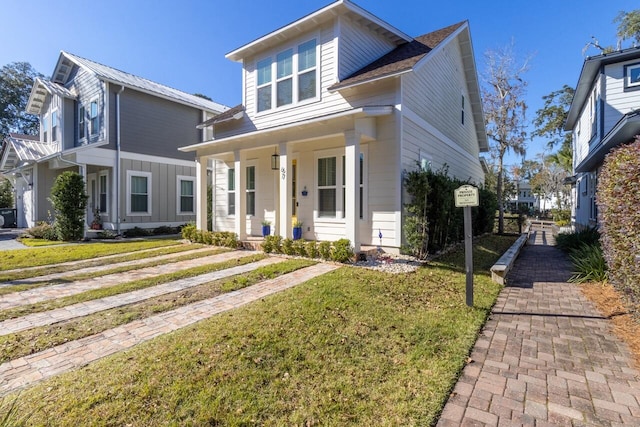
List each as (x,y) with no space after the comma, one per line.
(546,357)
(32,296)
(93,269)
(50,317)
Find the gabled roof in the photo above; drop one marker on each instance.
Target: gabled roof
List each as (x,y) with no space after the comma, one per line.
(234,113)
(313,20)
(42,87)
(66,61)
(400,60)
(19,149)
(590,69)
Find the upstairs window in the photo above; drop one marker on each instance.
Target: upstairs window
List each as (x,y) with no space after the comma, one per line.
(82,122)
(632,76)
(462,113)
(288,78)
(45,129)
(54,126)
(93,117)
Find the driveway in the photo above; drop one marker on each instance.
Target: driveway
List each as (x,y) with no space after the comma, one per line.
(8,238)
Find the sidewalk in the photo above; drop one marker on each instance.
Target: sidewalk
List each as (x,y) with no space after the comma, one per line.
(546,357)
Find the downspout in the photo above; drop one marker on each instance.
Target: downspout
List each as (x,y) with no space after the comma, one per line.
(117,201)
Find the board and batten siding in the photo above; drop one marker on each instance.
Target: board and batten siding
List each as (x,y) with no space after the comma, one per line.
(155,126)
(163,192)
(89,88)
(618,101)
(358,47)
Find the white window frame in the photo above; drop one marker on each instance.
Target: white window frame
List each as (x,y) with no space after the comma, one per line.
(104,174)
(149,177)
(94,128)
(82,122)
(179,195)
(628,70)
(55,125)
(294,76)
(231,192)
(45,128)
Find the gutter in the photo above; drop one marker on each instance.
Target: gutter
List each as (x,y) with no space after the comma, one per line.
(117,171)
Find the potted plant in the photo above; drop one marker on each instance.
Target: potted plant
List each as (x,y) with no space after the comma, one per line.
(297,229)
(96,224)
(266,228)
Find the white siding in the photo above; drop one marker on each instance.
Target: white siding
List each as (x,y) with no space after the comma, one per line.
(588,124)
(618,102)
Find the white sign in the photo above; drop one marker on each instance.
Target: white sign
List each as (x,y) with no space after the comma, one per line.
(467,195)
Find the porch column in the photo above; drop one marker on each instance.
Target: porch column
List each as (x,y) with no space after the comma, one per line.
(352,187)
(284,206)
(201,193)
(240,177)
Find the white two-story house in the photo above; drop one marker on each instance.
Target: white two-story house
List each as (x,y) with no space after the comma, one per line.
(122,133)
(604,113)
(335,107)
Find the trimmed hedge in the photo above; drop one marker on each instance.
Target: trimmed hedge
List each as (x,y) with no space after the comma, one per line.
(215,238)
(618,198)
(339,251)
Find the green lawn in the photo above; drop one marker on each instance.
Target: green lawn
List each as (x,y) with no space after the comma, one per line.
(352,347)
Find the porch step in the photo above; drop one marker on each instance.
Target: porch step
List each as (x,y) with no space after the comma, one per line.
(252,243)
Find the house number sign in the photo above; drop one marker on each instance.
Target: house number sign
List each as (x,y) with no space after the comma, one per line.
(283,173)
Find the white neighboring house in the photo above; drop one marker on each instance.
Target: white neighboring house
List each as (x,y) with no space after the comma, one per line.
(335,106)
(604,113)
(122,133)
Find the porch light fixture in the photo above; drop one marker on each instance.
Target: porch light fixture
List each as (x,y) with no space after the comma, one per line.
(275,161)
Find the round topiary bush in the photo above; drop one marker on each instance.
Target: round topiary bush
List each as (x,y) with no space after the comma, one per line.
(618,197)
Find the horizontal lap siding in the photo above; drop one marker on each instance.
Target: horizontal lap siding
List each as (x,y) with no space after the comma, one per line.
(163,191)
(156,126)
(583,135)
(618,101)
(434,93)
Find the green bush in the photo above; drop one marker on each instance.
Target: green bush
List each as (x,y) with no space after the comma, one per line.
(589,264)
(137,232)
(287,247)
(569,242)
(6,193)
(43,230)
(619,217)
(561,217)
(324,250)
(216,238)
(164,229)
(312,249)
(300,247)
(188,231)
(272,244)
(342,251)
(69,202)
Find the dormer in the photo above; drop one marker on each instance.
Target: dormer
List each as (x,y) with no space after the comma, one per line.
(54,104)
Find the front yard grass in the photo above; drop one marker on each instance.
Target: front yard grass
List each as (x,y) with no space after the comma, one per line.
(351,347)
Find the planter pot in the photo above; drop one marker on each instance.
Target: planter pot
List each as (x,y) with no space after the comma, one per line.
(297,233)
(266,230)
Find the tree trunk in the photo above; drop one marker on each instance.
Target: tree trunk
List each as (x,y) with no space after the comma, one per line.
(499,195)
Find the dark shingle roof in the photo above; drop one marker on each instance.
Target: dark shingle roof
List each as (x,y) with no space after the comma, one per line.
(401,59)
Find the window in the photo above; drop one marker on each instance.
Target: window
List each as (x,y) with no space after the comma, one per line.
(54,126)
(231,192)
(139,193)
(251,190)
(593,112)
(327,187)
(295,71)
(103,193)
(45,129)
(632,75)
(592,184)
(82,123)
(93,117)
(462,114)
(186,194)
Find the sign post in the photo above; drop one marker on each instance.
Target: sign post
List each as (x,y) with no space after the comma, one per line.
(466,197)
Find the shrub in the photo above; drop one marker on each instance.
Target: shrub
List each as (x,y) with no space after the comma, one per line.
(561,217)
(300,247)
(43,230)
(619,217)
(569,242)
(164,229)
(312,249)
(216,238)
(589,264)
(272,244)
(342,251)
(324,250)
(6,193)
(287,247)
(188,231)
(69,202)
(136,232)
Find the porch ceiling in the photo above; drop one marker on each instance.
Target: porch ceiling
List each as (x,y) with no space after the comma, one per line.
(299,132)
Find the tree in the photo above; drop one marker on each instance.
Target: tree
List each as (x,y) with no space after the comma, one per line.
(16,81)
(505,111)
(549,123)
(69,203)
(6,193)
(628,26)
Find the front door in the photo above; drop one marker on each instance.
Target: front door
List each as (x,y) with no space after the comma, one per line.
(92,192)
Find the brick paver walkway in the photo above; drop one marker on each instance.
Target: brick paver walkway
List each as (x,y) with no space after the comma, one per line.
(28,370)
(32,296)
(546,357)
(50,317)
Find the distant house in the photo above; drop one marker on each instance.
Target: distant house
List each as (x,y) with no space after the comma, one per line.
(335,106)
(122,133)
(605,113)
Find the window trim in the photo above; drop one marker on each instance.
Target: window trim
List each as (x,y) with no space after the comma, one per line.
(82,122)
(149,176)
(44,126)
(294,76)
(179,196)
(105,174)
(231,192)
(94,130)
(248,190)
(55,125)
(628,84)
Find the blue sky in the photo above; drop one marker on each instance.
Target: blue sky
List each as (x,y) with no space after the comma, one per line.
(183,43)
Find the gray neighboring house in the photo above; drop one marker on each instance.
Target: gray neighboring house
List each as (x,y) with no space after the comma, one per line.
(604,113)
(121,132)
